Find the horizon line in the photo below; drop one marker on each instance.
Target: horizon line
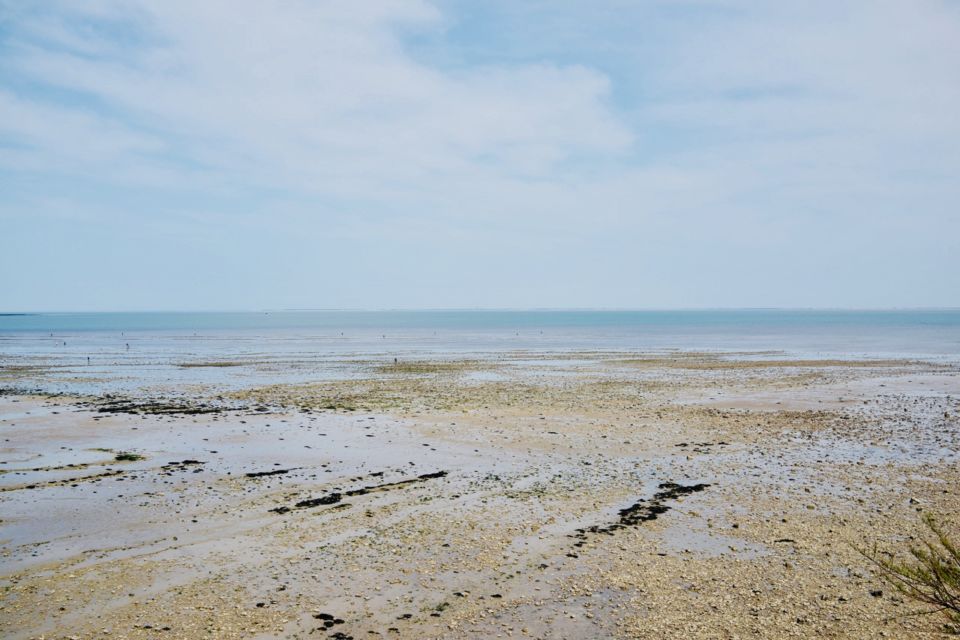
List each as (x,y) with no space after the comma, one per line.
(478,310)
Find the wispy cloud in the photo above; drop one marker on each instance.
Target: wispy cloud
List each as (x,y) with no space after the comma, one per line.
(319,96)
(589,148)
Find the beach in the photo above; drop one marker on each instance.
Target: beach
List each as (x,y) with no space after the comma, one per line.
(526,493)
(423,319)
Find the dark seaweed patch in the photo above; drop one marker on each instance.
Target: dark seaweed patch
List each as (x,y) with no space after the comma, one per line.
(642,510)
(275,472)
(183,465)
(67,481)
(111,404)
(337,496)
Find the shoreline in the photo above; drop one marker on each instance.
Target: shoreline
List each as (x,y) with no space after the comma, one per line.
(668,496)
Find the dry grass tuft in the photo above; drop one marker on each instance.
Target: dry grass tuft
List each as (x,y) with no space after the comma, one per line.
(930,575)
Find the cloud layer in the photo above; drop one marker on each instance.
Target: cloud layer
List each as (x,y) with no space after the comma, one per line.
(402,153)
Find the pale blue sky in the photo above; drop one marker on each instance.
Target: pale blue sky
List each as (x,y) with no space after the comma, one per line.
(399,153)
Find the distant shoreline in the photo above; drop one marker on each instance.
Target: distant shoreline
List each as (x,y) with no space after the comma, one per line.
(481,310)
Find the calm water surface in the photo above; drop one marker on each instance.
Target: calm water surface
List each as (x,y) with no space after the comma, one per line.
(131,350)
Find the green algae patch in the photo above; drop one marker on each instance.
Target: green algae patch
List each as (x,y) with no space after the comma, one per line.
(432,367)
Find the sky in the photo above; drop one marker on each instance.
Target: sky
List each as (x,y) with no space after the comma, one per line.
(228,154)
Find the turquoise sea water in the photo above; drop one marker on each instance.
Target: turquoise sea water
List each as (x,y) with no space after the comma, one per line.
(906,332)
(147,348)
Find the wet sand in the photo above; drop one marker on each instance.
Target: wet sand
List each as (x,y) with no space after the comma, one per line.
(541,495)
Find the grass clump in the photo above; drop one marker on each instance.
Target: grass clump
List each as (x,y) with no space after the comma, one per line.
(126,456)
(929,575)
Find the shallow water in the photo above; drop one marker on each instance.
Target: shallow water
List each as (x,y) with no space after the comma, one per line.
(104,352)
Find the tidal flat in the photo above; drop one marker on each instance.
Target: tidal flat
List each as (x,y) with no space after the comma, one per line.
(525,495)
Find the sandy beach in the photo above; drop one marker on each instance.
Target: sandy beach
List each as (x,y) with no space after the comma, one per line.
(588,495)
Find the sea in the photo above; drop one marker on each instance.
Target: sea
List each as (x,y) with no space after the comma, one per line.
(104,352)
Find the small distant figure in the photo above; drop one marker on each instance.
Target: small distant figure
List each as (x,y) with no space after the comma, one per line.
(88,361)
(395,361)
(64,343)
(128,346)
